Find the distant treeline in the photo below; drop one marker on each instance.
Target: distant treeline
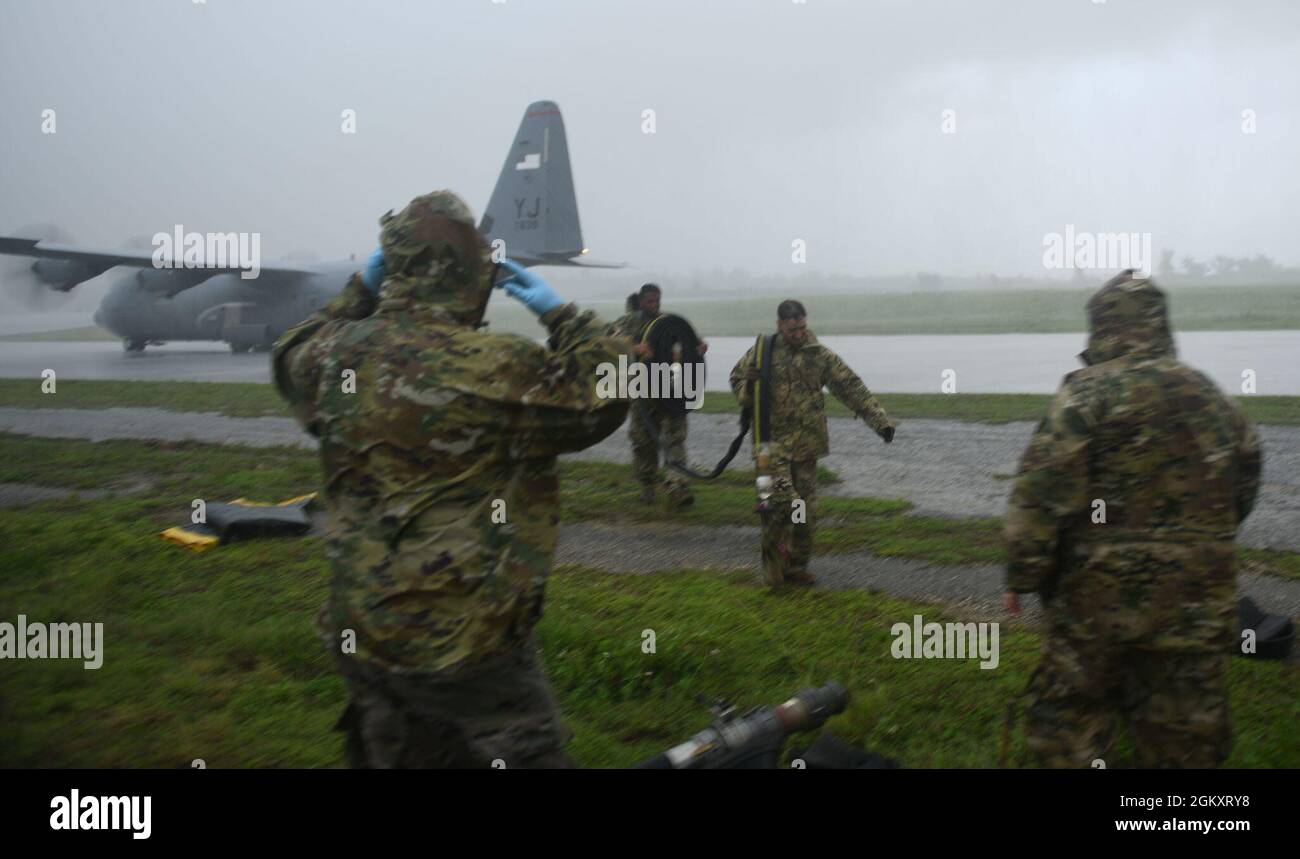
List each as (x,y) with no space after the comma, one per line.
(1223,271)
(1212,307)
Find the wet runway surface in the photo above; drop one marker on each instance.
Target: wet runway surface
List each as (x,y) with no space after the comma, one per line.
(102,359)
(985,363)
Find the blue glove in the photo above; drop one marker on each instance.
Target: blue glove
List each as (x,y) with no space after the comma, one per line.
(373,274)
(535,293)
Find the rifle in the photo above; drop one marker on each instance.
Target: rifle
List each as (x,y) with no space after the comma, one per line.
(752,741)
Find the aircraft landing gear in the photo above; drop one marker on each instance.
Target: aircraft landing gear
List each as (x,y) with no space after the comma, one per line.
(134,344)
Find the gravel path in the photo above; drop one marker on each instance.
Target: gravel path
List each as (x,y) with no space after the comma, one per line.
(974,589)
(19,494)
(970,591)
(949,469)
(957,469)
(157,424)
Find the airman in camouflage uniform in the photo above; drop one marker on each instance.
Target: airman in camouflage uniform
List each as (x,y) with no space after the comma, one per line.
(439,445)
(801,369)
(1123,518)
(671,428)
(631,324)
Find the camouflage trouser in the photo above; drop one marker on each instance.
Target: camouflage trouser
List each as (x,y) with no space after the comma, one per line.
(645,452)
(502,711)
(787,545)
(1175,703)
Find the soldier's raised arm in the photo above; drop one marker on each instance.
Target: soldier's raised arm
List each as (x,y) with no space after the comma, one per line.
(1051,487)
(553,401)
(298,356)
(850,390)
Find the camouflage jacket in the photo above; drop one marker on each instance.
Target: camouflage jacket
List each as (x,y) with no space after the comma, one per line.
(798,403)
(1130,493)
(439,443)
(631,325)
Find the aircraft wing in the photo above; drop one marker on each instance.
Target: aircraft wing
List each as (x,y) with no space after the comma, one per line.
(583,262)
(69,265)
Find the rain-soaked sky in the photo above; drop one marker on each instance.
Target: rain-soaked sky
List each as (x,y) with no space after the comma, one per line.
(774,121)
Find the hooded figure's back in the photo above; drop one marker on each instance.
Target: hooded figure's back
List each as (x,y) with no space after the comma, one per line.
(1131,491)
(1164,452)
(438,442)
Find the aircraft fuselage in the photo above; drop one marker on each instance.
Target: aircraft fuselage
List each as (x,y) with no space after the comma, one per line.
(244,313)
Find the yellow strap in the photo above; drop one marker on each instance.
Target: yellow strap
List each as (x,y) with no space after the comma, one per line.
(189,539)
(653,323)
(244,502)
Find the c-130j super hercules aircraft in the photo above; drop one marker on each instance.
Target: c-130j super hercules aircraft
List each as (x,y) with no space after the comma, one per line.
(532,209)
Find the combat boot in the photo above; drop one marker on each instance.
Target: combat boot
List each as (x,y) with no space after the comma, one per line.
(802,578)
(679,496)
(647,495)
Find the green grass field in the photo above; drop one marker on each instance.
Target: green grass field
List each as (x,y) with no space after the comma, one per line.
(175,473)
(1029,311)
(213,655)
(246,399)
(62,335)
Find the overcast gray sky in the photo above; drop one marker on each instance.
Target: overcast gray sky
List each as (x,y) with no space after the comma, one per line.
(775,120)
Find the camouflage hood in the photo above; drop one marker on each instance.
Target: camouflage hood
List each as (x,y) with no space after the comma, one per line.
(1127,316)
(438,265)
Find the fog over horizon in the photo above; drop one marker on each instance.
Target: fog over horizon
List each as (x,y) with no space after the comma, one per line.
(774,121)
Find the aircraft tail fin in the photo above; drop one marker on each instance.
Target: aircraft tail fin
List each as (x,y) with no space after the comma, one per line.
(533,207)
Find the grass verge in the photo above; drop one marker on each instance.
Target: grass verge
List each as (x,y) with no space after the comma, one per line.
(247,399)
(1218,307)
(174,473)
(213,656)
